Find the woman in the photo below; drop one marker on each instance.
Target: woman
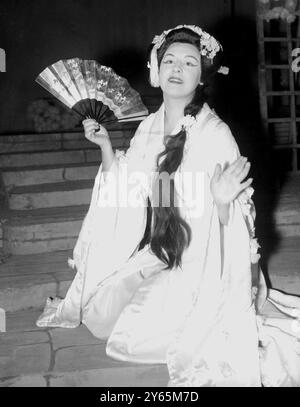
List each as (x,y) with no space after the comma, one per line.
(177,290)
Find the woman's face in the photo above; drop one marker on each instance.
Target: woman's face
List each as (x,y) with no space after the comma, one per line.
(180,70)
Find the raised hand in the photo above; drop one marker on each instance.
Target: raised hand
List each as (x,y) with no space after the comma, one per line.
(226,185)
(96,133)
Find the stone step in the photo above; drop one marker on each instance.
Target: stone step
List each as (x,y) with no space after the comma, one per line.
(42,230)
(50,158)
(56,228)
(50,195)
(26,280)
(288,230)
(21,176)
(286,214)
(39,357)
(16,144)
(283,264)
(58,141)
(145,376)
(284,217)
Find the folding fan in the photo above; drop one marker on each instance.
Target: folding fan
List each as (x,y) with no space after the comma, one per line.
(93,90)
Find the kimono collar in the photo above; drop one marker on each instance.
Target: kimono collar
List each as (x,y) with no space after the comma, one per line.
(187,121)
(156,129)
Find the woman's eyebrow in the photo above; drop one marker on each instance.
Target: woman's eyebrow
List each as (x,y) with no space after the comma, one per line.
(192,56)
(186,56)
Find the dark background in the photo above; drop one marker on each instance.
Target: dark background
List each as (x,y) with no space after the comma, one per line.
(117,33)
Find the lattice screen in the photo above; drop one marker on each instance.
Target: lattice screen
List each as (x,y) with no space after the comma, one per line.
(278,32)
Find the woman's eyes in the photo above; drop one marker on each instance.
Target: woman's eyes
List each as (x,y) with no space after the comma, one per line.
(170,61)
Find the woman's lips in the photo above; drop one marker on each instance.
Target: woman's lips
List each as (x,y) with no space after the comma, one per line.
(175,80)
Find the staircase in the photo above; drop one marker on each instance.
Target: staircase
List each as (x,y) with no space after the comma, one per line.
(48,181)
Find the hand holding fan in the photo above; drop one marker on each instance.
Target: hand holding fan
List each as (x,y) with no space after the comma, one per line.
(93,90)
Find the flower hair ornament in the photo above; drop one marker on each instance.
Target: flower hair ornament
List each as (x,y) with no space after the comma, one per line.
(209,47)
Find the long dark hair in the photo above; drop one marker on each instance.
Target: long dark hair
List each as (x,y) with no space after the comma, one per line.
(171,233)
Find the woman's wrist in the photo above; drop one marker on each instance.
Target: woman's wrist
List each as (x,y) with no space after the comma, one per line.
(223,212)
(106,144)
(108,155)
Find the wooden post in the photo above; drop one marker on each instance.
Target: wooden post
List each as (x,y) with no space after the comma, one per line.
(261,68)
(2,60)
(2,320)
(293,112)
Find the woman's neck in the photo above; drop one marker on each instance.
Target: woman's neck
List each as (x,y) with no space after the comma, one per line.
(174,110)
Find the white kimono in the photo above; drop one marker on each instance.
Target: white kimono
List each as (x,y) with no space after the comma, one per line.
(202,319)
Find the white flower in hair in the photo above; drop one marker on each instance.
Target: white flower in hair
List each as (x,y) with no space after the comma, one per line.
(209,44)
(188,121)
(254,246)
(224,70)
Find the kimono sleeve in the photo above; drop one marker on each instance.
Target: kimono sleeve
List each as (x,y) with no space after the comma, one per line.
(224,149)
(228,152)
(114,224)
(117,177)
